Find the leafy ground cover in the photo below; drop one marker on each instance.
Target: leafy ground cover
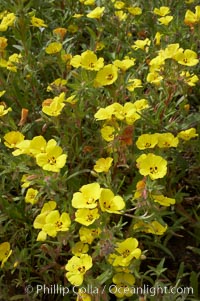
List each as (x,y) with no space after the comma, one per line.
(99,150)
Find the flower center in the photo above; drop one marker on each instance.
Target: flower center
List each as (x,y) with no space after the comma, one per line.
(6,253)
(32,195)
(91,65)
(126,253)
(109,77)
(90,201)
(90,217)
(106,204)
(59,224)
(52,161)
(153,169)
(81,269)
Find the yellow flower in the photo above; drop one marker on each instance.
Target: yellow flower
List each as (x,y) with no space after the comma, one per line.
(124,64)
(2,93)
(133,84)
(25,181)
(22,148)
(53,48)
(4,111)
(126,251)
(163,200)
(130,113)
(165,20)
(117,110)
(130,110)
(135,11)
(110,203)
(152,165)
(121,269)
(79,248)
(31,196)
(52,159)
(106,76)
(7,21)
(154,78)
(104,113)
(83,296)
(40,219)
(190,79)
(5,252)
(156,64)
(162,11)
(147,141)
(37,145)
(42,236)
(55,107)
(31,147)
(119,4)
(86,216)
(96,13)
(87,60)
(192,18)
(157,38)
(141,104)
(76,61)
(54,222)
(124,284)
(3,13)
(87,2)
(121,15)
(77,267)
(60,97)
(187,134)
(141,44)
(103,164)
(108,133)
(154,227)
(66,57)
(71,99)
(3,43)
(13,138)
(186,57)
(167,140)
(37,22)
(87,196)
(57,84)
(169,52)
(13,62)
(48,207)
(87,235)
(109,112)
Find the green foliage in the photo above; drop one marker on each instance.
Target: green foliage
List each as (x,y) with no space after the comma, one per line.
(99,150)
